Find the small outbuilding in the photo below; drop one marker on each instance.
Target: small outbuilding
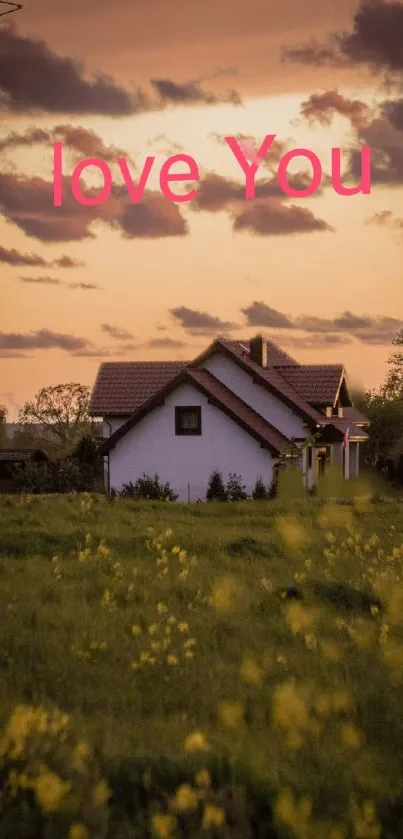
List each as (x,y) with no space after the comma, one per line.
(10,458)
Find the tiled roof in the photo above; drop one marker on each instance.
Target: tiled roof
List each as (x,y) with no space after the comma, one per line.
(354,415)
(222,397)
(277,382)
(343,424)
(122,387)
(276,356)
(317,383)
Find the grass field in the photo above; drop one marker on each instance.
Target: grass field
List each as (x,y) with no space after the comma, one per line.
(217,670)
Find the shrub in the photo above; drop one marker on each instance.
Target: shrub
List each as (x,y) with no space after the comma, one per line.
(260,492)
(150,488)
(216,490)
(236,491)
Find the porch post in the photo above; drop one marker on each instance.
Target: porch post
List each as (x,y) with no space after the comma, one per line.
(347,462)
(305,467)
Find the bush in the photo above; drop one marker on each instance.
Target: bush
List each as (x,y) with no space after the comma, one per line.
(150,488)
(236,491)
(216,490)
(260,492)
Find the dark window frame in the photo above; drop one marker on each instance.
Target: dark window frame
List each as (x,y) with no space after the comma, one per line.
(187,432)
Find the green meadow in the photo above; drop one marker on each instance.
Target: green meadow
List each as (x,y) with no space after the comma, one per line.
(227,670)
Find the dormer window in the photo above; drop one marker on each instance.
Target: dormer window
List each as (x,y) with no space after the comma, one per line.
(188,420)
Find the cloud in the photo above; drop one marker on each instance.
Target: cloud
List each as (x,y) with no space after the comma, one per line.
(40,280)
(28,203)
(85,286)
(259,314)
(67,262)
(32,260)
(365,328)
(216,193)
(17,259)
(116,332)
(315,342)
(80,140)
(386,143)
(195,322)
(190,93)
(43,339)
(375,40)
(273,218)
(321,108)
(153,218)
(165,343)
(386,219)
(33,78)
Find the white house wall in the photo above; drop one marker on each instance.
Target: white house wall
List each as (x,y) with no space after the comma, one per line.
(261,400)
(152,447)
(112,424)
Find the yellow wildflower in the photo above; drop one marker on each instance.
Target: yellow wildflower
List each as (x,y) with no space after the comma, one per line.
(183,626)
(153,628)
(101,794)
(213,816)
(203,778)
(195,742)
(351,737)
(78,831)
(251,673)
(50,790)
(163,825)
(231,714)
(172,660)
(186,798)
(162,608)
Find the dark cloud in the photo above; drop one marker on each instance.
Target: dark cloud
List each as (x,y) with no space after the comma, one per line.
(273,218)
(190,93)
(322,107)
(259,314)
(67,262)
(375,40)
(216,193)
(43,339)
(40,280)
(386,144)
(365,328)
(16,258)
(315,342)
(80,140)
(199,323)
(386,219)
(116,332)
(32,260)
(85,286)
(165,343)
(153,218)
(28,203)
(33,78)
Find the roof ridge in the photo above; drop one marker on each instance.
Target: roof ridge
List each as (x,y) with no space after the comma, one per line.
(196,370)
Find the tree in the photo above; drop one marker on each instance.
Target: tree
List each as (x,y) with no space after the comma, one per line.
(393,385)
(3,425)
(216,490)
(61,410)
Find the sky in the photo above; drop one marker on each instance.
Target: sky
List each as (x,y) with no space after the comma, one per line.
(319,275)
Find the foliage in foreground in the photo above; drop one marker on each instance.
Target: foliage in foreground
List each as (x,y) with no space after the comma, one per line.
(229,685)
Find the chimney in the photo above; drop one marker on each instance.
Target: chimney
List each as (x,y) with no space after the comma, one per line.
(258,350)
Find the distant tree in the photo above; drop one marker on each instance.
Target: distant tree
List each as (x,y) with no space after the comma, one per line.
(61,410)
(3,425)
(216,490)
(260,492)
(236,490)
(393,385)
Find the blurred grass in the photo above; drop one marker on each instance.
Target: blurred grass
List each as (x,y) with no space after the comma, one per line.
(292,606)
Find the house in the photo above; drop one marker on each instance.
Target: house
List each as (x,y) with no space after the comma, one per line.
(12,458)
(238,407)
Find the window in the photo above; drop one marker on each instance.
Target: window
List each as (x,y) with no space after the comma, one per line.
(188,420)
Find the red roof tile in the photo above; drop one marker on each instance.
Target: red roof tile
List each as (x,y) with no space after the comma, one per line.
(317,383)
(122,387)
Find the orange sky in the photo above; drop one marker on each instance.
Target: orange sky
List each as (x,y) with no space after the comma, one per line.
(158,296)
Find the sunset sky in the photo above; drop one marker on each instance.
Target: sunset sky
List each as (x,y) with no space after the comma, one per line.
(321,276)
